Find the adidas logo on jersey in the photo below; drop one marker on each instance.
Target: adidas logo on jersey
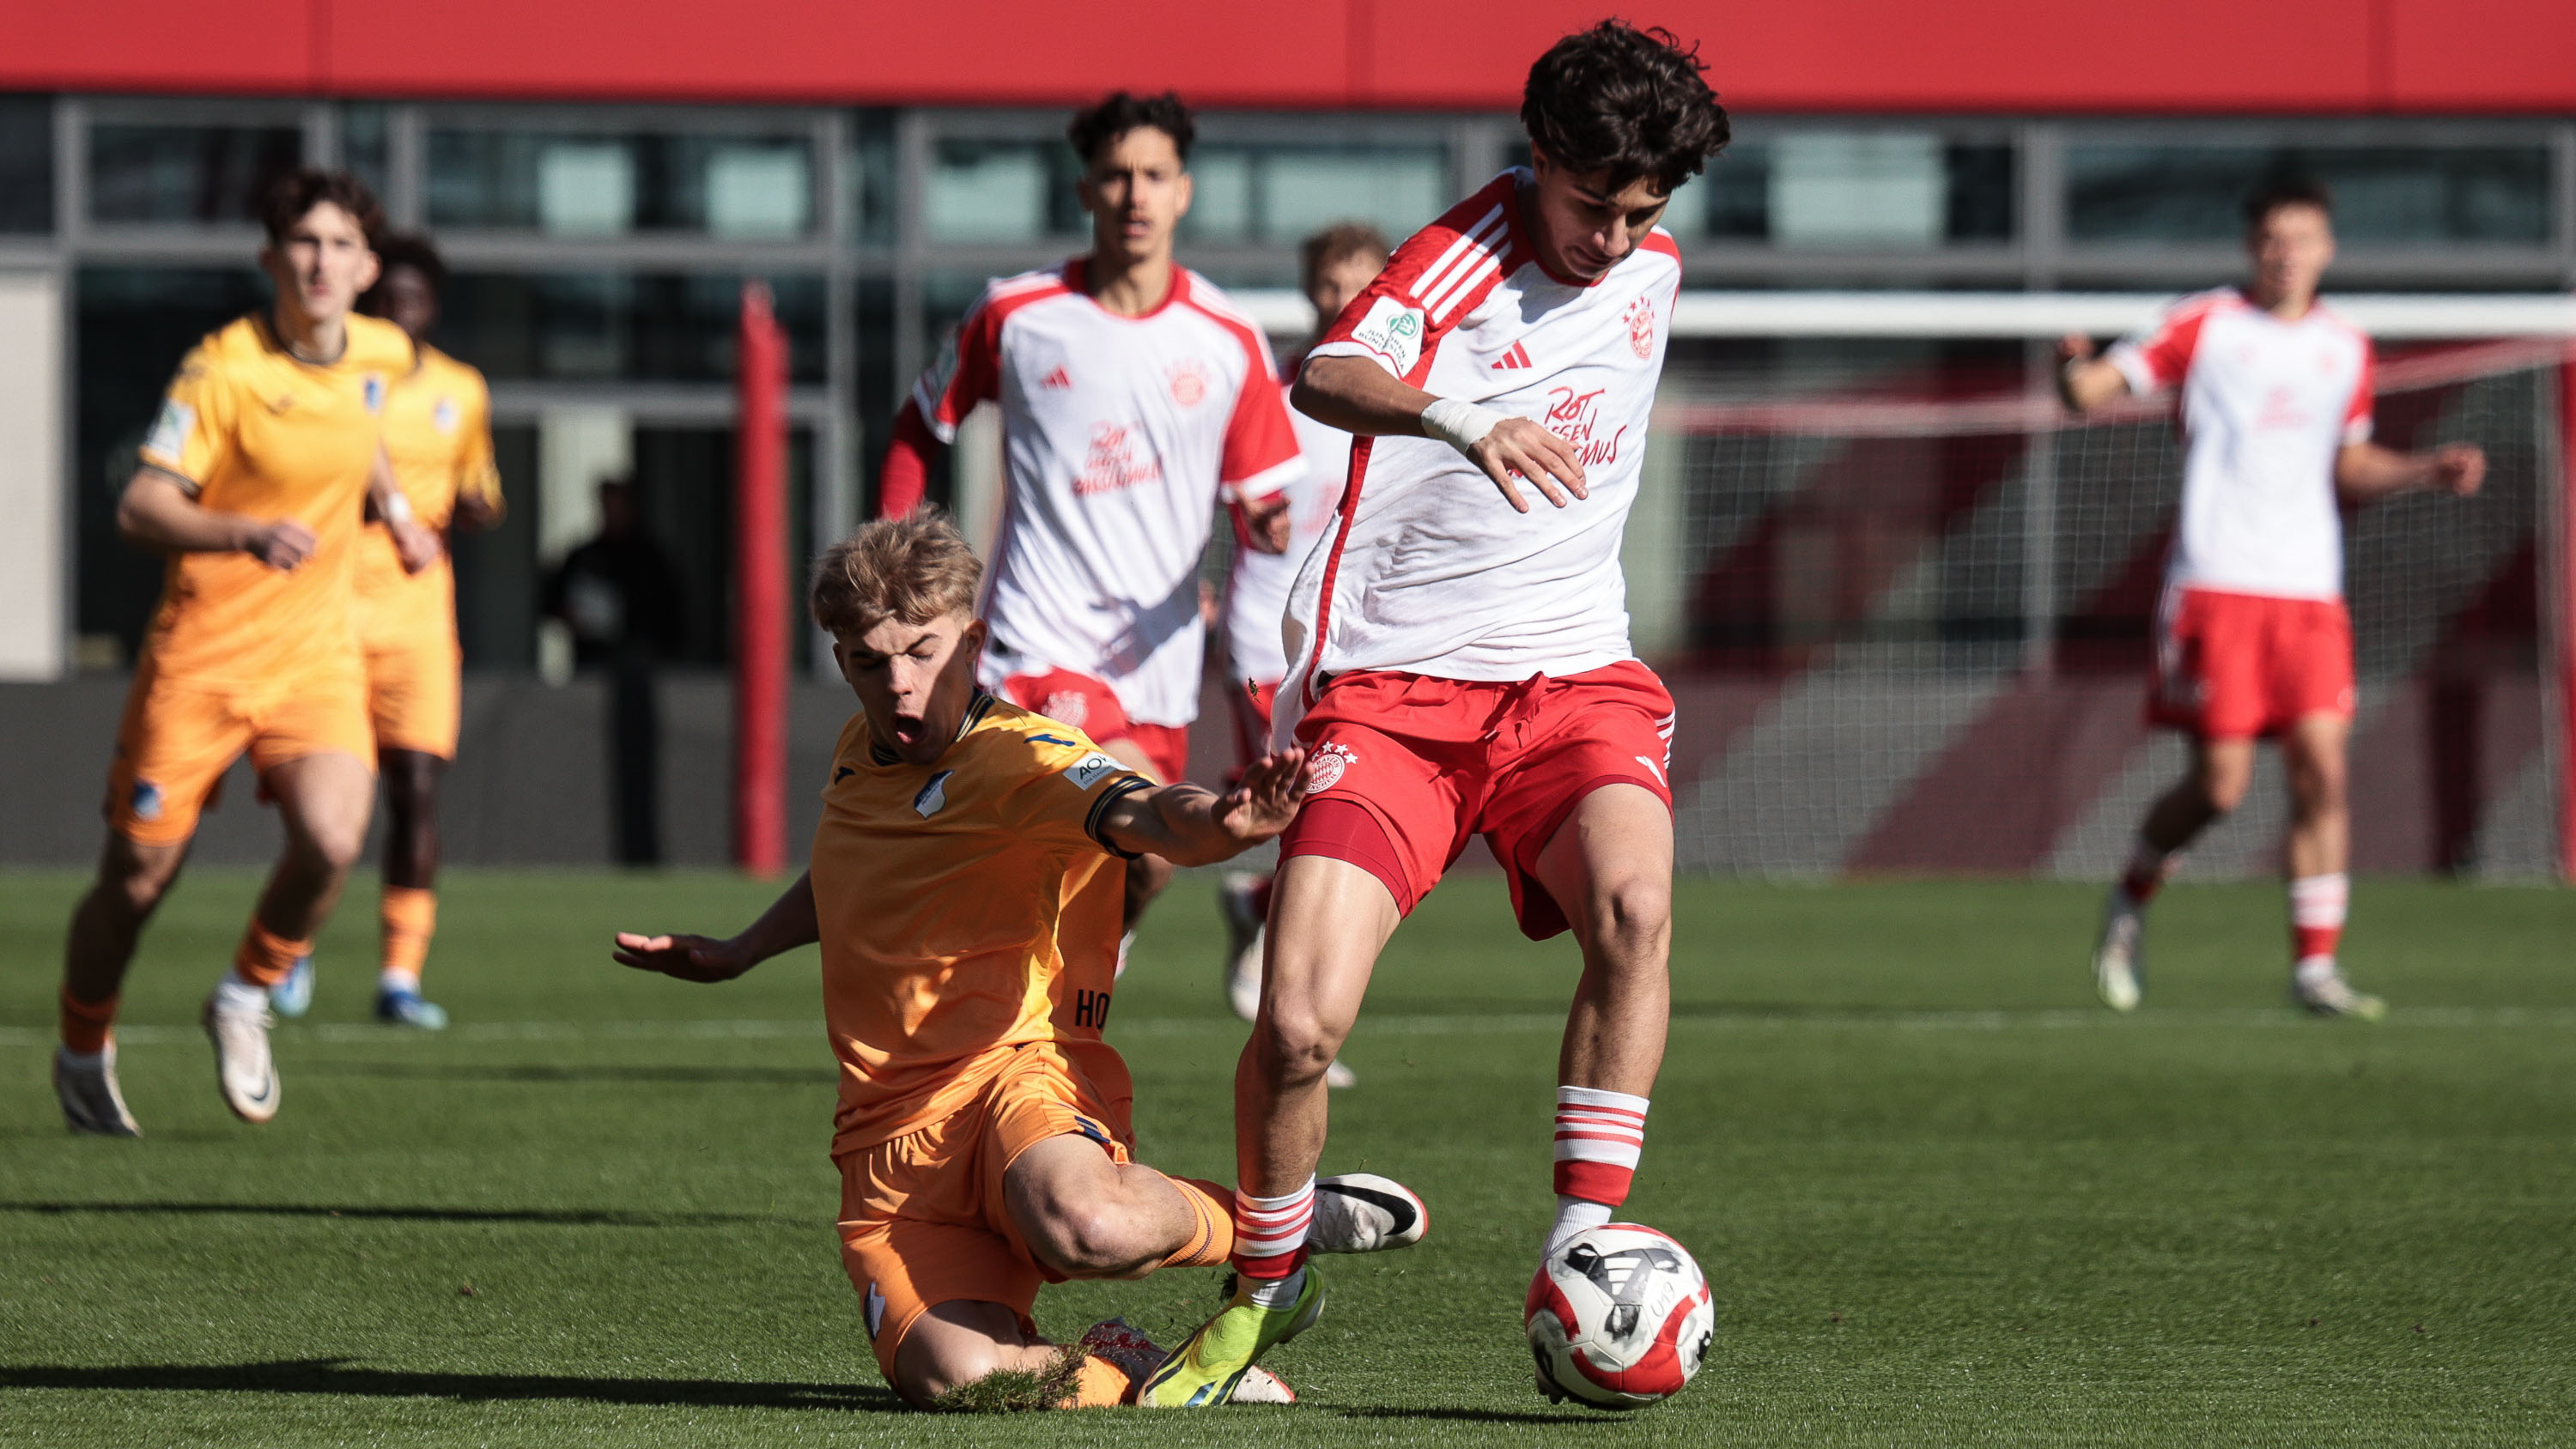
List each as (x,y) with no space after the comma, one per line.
(1514,360)
(1057,379)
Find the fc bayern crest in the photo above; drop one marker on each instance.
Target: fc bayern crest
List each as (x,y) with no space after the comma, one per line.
(1324,771)
(1189,385)
(1641,328)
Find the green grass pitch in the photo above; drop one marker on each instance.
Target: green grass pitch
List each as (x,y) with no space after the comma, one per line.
(1942,1197)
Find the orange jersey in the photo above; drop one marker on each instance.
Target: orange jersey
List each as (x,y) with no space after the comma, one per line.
(438,434)
(250,429)
(967,909)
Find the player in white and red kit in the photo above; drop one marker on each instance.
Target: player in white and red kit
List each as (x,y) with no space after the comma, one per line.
(2252,639)
(1460,664)
(1134,397)
(1335,266)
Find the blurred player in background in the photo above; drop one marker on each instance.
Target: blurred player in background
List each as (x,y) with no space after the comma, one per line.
(1334,266)
(438,436)
(2252,638)
(966,892)
(1460,662)
(256,481)
(1134,397)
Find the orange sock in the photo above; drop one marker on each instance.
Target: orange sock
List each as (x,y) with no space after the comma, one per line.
(1212,1238)
(88,1026)
(409,915)
(1099,1384)
(265,957)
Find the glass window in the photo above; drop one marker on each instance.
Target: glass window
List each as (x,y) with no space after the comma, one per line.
(1279,194)
(868,180)
(1851,189)
(366,146)
(567,184)
(186,173)
(985,191)
(619,326)
(26,164)
(2389,195)
(134,324)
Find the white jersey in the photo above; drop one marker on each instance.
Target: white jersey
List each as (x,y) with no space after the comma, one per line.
(1119,435)
(1256,591)
(1429,571)
(2266,405)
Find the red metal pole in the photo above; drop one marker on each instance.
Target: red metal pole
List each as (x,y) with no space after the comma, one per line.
(2560,571)
(760,593)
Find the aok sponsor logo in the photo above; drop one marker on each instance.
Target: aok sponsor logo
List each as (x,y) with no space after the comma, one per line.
(1575,416)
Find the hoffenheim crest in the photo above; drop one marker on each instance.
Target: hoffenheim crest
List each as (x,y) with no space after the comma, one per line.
(932,796)
(375,392)
(147,800)
(443,416)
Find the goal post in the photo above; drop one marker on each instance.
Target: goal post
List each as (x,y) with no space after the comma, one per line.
(1907,618)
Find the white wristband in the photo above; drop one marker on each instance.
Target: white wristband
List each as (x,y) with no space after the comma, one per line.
(397,509)
(1459,423)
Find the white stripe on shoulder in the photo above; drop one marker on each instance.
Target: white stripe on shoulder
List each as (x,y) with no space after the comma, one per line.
(1476,236)
(1465,287)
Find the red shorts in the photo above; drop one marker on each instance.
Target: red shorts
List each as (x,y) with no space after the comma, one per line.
(1431,762)
(1092,707)
(1251,699)
(2240,666)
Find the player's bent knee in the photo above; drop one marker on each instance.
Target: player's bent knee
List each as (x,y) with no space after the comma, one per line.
(1298,1044)
(1088,1239)
(1633,909)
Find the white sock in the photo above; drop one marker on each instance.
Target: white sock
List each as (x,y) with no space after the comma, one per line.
(87,1061)
(1574,1215)
(2314,971)
(237,992)
(1276,1292)
(398,981)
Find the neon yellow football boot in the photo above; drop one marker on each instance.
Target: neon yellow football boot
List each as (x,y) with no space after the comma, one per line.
(1206,1371)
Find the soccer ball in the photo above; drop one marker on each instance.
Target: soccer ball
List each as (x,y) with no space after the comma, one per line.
(1618,1318)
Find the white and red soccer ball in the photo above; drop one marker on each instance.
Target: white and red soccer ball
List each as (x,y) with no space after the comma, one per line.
(1618,1317)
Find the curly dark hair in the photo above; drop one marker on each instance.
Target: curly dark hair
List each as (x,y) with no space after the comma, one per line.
(1121,113)
(411,249)
(293,195)
(1626,101)
(2281,191)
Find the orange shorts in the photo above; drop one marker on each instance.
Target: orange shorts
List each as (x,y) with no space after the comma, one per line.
(413,687)
(179,736)
(2235,666)
(923,1218)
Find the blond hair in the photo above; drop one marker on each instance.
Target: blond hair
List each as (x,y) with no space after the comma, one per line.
(914,569)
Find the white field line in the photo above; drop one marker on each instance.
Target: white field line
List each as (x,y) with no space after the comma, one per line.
(356,1034)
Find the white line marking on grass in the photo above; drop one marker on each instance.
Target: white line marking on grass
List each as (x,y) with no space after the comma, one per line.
(1499,1024)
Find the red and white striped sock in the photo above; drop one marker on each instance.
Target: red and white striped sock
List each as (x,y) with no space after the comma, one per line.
(1270,1237)
(2317,907)
(1599,1135)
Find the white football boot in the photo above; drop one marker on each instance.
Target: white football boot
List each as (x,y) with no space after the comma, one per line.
(2324,992)
(1361,1212)
(87,1090)
(243,1069)
(2117,973)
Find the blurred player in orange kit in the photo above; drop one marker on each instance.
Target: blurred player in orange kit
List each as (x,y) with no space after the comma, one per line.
(438,435)
(1334,265)
(1134,397)
(256,480)
(966,888)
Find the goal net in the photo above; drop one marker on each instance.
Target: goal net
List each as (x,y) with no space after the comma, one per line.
(1906,620)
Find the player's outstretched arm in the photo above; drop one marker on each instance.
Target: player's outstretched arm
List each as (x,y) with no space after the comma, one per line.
(2084,381)
(787,924)
(159,512)
(1358,396)
(1187,825)
(2367,472)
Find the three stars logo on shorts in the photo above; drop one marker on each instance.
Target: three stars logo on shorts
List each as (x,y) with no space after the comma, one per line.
(1324,771)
